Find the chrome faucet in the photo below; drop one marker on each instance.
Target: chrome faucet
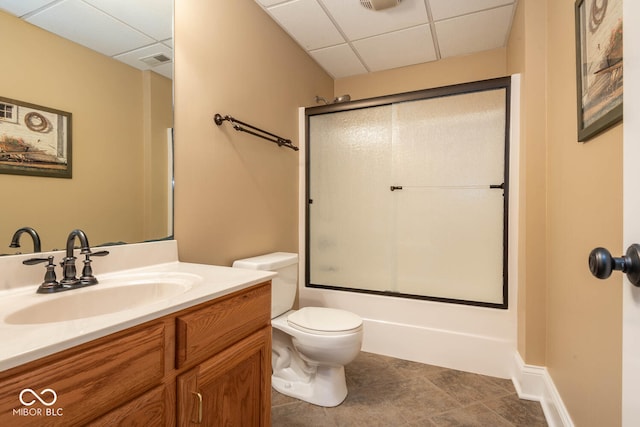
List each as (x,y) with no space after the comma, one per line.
(15,240)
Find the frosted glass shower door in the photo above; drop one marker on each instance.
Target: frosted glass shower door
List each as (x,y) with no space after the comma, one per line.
(350,214)
(448,152)
(408,197)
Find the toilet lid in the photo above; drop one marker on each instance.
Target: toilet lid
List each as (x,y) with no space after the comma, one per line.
(323,319)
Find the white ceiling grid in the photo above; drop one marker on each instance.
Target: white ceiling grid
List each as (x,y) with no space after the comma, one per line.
(127,30)
(344,37)
(347,39)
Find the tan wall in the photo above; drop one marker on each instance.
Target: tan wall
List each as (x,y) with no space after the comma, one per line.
(237,195)
(527,56)
(584,210)
(568,320)
(105,97)
(468,68)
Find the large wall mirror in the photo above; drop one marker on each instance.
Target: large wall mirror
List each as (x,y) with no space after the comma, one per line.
(115,81)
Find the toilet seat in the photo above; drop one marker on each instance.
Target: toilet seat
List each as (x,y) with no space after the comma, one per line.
(324,321)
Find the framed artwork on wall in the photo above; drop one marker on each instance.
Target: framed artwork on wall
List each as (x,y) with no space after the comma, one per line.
(598,65)
(34,140)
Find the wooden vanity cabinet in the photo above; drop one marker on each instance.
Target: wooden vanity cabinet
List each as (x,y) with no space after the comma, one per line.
(230,382)
(207,365)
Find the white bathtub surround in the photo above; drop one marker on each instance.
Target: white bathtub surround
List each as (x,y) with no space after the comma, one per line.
(472,339)
(131,265)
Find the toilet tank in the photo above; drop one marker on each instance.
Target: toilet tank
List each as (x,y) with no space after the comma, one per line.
(284,285)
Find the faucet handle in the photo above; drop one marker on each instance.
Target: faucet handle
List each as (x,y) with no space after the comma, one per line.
(34,261)
(99,253)
(87,277)
(50,284)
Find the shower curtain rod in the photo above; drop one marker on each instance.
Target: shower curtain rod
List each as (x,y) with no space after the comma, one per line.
(238,125)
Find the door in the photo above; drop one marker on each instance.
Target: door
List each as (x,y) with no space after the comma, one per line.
(631,176)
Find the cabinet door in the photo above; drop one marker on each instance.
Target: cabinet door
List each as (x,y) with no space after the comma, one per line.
(233,388)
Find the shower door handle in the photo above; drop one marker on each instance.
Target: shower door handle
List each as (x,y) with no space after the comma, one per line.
(396,187)
(601,263)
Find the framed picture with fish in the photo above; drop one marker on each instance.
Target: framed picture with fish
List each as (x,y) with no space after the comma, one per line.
(34,140)
(599,62)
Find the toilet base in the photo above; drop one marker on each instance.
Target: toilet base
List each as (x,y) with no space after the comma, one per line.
(326,387)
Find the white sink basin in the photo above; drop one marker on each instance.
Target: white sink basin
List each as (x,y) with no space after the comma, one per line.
(114,296)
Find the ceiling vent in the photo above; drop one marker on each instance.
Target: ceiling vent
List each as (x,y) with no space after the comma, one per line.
(155,59)
(379,4)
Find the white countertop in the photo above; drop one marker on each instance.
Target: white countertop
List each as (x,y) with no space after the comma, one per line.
(22,343)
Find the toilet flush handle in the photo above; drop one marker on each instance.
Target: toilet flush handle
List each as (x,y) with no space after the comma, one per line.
(601,263)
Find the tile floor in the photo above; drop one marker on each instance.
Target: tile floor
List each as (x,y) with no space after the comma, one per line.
(384,391)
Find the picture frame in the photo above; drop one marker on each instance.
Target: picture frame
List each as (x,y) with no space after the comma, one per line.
(34,140)
(599,63)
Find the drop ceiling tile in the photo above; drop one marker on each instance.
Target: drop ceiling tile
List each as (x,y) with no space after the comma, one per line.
(443,9)
(152,17)
(358,22)
(339,61)
(134,58)
(307,23)
(85,25)
(397,49)
(19,8)
(475,32)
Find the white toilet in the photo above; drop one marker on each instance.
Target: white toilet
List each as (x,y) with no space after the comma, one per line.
(310,346)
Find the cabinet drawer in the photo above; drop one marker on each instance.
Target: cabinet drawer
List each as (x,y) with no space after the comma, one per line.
(208,330)
(150,409)
(88,380)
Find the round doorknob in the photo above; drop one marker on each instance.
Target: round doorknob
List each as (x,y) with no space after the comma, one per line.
(601,263)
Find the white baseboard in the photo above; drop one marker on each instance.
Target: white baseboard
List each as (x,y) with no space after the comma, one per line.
(535,383)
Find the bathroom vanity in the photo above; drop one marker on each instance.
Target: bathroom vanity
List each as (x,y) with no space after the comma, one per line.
(201,357)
